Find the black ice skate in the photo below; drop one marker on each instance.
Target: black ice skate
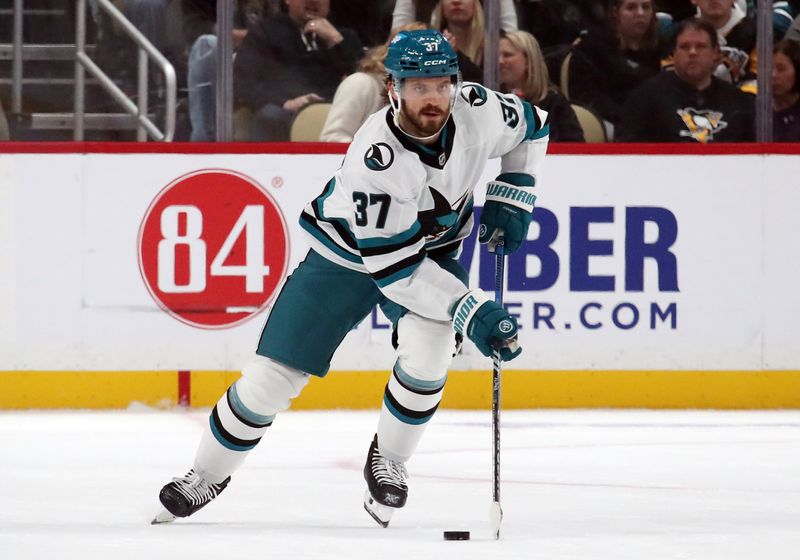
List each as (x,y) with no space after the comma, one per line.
(387,490)
(185,495)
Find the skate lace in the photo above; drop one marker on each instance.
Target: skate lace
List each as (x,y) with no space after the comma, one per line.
(195,489)
(391,472)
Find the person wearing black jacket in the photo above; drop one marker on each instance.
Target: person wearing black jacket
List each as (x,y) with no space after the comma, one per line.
(522,71)
(288,61)
(199,28)
(689,104)
(608,63)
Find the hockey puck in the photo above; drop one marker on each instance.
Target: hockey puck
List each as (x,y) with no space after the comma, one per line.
(456,535)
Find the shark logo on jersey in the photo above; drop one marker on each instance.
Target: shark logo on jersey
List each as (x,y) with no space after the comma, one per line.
(441,217)
(379,156)
(474,94)
(702,125)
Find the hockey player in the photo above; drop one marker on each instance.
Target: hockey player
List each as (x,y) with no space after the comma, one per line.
(386,231)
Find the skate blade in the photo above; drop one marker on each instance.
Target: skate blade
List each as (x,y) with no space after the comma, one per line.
(380,513)
(163,516)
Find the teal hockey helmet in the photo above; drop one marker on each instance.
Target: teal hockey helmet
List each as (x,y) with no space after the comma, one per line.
(422,53)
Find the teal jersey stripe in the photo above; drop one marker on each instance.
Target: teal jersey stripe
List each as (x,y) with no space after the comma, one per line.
(531,121)
(329,243)
(224,442)
(401,237)
(545,131)
(326,192)
(402,417)
(318,203)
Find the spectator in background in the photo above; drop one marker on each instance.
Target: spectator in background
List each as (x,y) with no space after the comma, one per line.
(361,93)
(199,27)
(462,24)
(406,11)
(786,92)
(689,104)
(608,63)
(793,33)
(523,72)
(557,23)
(289,60)
(370,19)
(737,40)
(783,11)
(149,17)
(678,10)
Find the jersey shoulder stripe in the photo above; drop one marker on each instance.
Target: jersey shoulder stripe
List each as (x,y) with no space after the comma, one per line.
(535,127)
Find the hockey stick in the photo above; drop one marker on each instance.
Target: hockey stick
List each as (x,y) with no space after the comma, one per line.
(495,511)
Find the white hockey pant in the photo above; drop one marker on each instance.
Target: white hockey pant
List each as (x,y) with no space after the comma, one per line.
(425,349)
(243,414)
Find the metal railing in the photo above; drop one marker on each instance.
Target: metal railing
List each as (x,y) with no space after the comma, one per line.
(147,51)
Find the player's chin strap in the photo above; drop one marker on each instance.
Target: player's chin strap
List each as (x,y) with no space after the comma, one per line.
(396,104)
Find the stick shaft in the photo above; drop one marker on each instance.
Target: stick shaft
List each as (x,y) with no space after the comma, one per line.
(498,296)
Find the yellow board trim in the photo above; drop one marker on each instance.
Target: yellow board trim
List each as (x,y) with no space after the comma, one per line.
(464,389)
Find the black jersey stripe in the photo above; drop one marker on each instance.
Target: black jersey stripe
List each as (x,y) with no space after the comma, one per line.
(337,223)
(312,226)
(407,262)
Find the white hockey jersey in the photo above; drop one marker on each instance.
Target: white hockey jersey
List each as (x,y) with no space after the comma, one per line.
(395,201)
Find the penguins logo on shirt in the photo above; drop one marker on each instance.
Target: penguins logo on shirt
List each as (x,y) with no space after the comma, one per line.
(379,156)
(701,125)
(474,94)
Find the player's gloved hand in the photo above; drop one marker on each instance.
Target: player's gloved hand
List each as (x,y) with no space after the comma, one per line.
(486,324)
(507,211)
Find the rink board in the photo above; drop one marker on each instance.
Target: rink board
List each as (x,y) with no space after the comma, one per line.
(651,278)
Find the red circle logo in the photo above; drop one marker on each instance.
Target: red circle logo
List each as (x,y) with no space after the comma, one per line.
(213,248)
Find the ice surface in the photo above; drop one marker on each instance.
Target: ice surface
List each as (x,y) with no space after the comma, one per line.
(575,485)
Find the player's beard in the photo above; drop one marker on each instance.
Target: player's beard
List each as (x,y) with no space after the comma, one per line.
(425,125)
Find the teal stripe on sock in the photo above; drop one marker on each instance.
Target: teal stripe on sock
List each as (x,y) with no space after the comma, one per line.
(402,417)
(416,383)
(224,442)
(245,412)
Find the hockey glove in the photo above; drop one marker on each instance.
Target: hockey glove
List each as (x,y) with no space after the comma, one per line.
(507,211)
(486,324)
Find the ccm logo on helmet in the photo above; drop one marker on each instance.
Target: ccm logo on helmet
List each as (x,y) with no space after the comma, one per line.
(433,62)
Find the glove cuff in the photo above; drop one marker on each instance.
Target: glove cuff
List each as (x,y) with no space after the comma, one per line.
(521,197)
(465,309)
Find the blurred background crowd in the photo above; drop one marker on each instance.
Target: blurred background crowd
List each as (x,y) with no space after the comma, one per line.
(312,70)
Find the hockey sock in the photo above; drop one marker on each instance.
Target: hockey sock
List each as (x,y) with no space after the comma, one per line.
(408,404)
(233,430)
(244,413)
